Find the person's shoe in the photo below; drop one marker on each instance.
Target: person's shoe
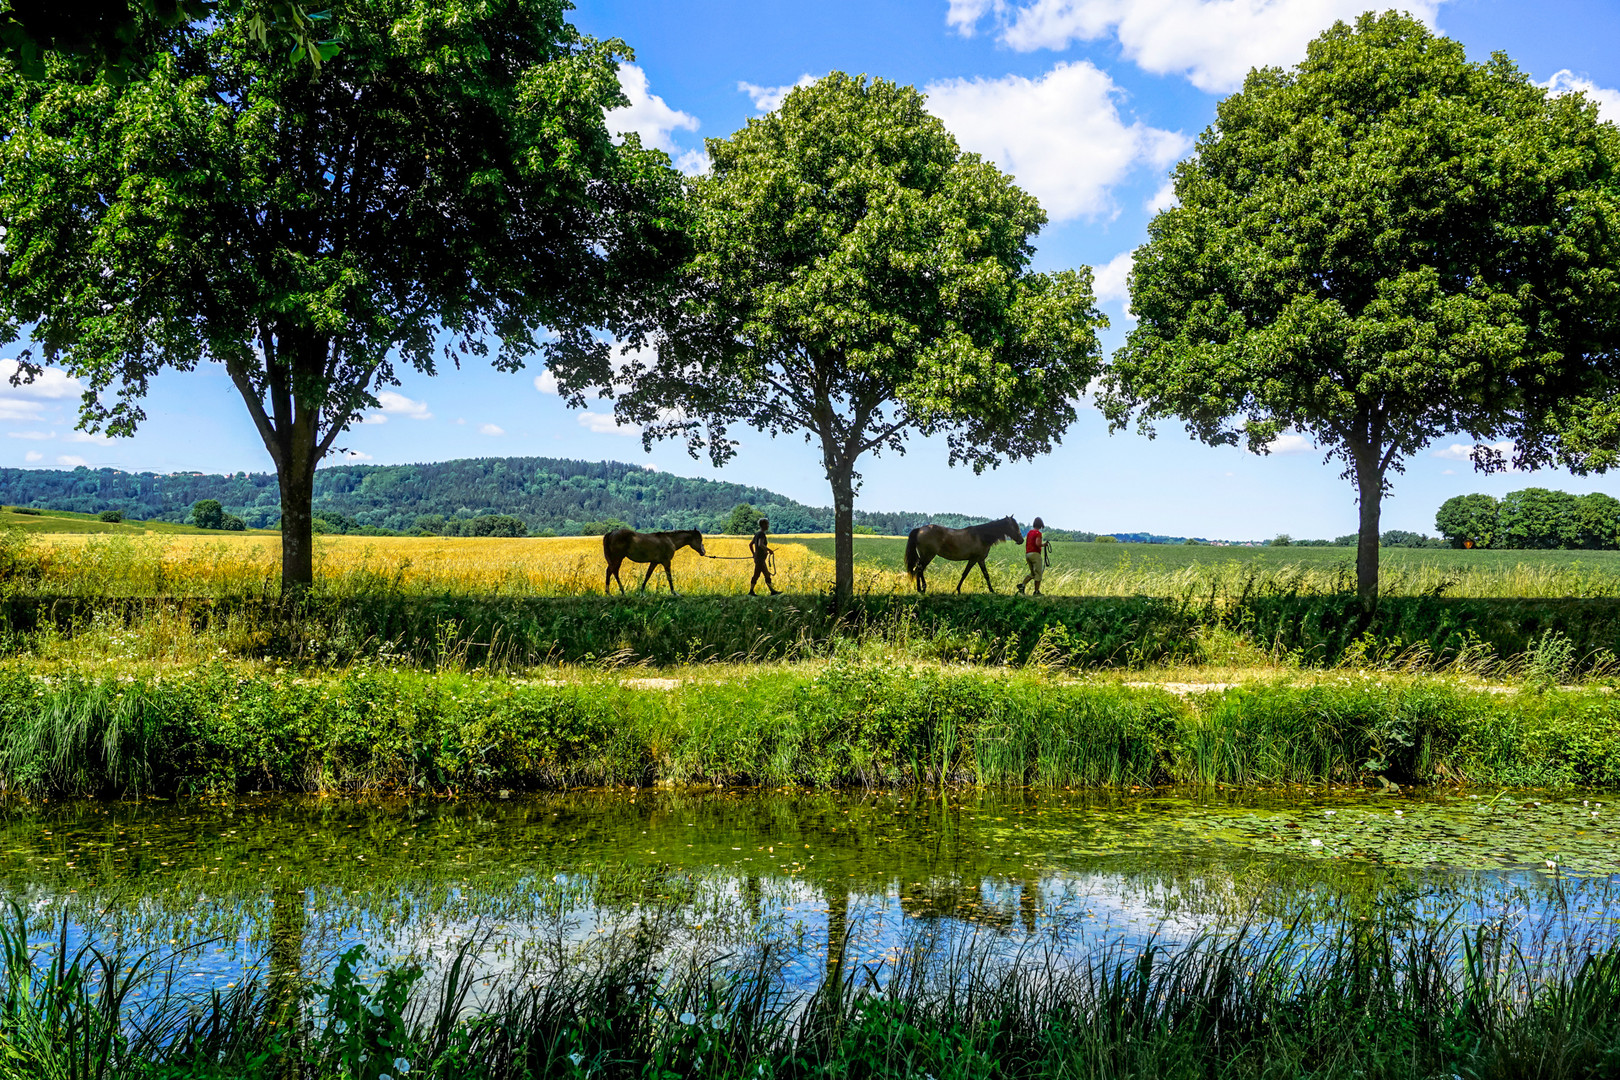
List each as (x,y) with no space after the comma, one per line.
(776,592)
(751,592)
(1020,590)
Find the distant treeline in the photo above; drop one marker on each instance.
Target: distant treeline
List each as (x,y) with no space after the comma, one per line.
(1535,518)
(455,498)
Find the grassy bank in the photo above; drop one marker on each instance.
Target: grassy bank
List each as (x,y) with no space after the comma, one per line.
(1372,1001)
(1495,638)
(223,727)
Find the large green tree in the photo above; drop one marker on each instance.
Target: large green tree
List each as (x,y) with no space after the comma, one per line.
(1468,520)
(445,188)
(1382,245)
(858,279)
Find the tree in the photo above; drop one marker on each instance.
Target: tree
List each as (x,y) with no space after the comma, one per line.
(858,279)
(446,188)
(112,517)
(208,514)
(1468,520)
(107,35)
(1384,244)
(743,520)
(1537,519)
(1597,522)
(1282,540)
(232,523)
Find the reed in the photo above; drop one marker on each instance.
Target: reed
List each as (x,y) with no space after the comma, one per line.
(1367,999)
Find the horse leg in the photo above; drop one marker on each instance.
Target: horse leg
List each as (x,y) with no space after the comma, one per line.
(986,572)
(922,569)
(607,581)
(671,577)
(966,570)
(650,568)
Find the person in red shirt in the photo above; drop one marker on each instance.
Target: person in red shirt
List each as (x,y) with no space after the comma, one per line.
(1035,555)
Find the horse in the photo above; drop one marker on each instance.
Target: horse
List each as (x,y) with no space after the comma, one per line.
(972,544)
(656,549)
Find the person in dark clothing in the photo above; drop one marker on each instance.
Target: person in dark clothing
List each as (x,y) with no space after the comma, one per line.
(760,548)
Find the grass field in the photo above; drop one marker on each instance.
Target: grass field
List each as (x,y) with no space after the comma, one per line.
(179,560)
(66,521)
(1093,569)
(215,563)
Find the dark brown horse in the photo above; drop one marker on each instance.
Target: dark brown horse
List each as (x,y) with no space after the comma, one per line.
(972,544)
(657,549)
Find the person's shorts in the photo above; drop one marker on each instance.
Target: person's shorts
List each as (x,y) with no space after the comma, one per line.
(1037,564)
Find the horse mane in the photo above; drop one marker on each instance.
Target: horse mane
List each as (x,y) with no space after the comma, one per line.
(989,531)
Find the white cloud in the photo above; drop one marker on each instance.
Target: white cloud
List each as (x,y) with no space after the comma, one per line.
(1465,452)
(33,455)
(1163,199)
(605,424)
(650,467)
(27,401)
(397,404)
(1213,43)
(88,437)
(72,461)
(964,15)
(769,98)
(372,418)
(546,383)
(1608,101)
(650,117)
(1109,279)
(1291,442)
(356,455)
(1060,135)
(490,429)
(31,434)
(52,383)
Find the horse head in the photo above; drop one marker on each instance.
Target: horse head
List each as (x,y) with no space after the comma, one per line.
(696,542)
(1012,529)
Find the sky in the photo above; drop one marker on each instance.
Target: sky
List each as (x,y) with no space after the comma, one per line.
(1087,103)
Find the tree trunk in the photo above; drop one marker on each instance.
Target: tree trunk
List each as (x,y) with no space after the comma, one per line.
(297,481)
(286,983)
(843,485)
(1370,486)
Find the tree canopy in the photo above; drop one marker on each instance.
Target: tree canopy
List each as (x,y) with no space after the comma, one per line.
(1535,518)
(1382,245)
(858,279)
(447,188)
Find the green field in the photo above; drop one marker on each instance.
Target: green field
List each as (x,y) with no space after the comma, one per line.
(66,521)
(1103,569)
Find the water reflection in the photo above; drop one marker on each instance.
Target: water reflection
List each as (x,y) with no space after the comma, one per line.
(273,888)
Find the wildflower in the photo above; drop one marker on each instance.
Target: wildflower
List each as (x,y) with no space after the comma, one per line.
(1400,813)
(1329,813)
(717,1021)
(576,1058)
(402,1066)
(373,1008)
(1551,865)
(1316,843)
(688,1019)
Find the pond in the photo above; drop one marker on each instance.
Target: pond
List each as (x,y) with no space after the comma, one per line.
(822,879)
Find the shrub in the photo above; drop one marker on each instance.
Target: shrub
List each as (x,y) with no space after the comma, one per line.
(111,517)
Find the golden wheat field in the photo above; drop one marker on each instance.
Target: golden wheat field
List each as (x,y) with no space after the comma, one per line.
(552,566)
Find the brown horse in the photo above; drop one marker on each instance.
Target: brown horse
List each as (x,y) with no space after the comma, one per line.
(656,549)
(972,544)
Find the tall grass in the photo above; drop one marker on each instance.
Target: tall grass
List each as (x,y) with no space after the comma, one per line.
(1369,1000)
(219,728)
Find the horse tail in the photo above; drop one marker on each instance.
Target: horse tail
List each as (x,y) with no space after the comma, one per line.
(607,545)
(911,551)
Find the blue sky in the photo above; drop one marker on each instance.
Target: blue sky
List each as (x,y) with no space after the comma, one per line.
(1087,102)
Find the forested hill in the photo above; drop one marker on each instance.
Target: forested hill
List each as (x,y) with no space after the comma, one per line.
(547,493)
